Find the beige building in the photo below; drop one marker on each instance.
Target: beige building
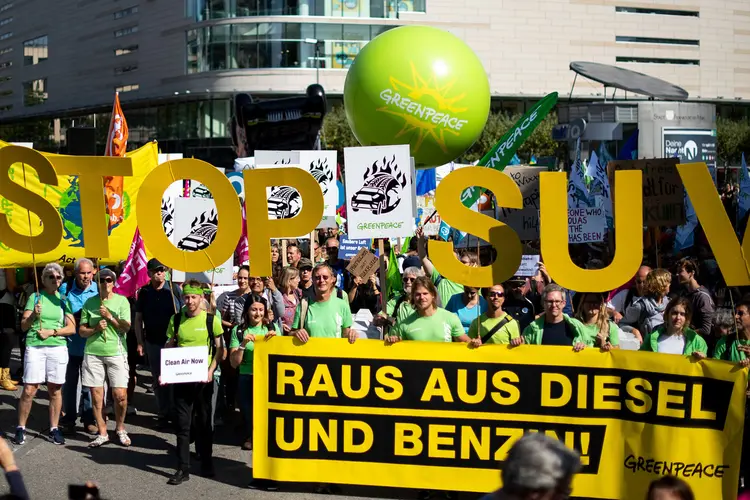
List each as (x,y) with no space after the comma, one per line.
(178,62)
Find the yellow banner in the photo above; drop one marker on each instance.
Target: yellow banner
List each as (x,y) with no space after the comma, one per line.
(65,197)
(443,416)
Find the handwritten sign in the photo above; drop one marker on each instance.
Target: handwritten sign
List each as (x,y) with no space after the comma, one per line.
(180,365)
(529,266)
(425,209)
(663,192)
(586,225)
(525,221)
(363,265)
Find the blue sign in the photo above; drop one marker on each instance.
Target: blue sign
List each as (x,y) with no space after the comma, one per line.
(349,248)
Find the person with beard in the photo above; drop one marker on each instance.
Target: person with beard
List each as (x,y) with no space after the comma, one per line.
(495,326)
(399,306)
(77,292)
(428,322)
(699,296)
(293,255)
(517,304)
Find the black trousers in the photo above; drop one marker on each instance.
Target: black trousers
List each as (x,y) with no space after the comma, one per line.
(193,401)
(6,346)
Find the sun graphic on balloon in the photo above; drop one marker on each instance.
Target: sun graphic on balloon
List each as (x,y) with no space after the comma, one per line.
(414,114)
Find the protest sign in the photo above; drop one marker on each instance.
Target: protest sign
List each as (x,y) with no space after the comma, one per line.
(529,266)
(586,225)
(348,247)
(195,227)
(379,191)
(663,191)
(184,364)
(525,221)
(425,210)
(442,416)
(363,265)
(277,158)
(322,165)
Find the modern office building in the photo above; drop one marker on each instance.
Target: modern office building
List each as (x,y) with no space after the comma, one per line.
(176,63)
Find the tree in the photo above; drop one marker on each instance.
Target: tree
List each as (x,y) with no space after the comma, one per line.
(540,143)
(336,133)
(733,138)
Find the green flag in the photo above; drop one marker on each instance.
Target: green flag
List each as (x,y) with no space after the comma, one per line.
(405,246)
(394,275)
(501,153)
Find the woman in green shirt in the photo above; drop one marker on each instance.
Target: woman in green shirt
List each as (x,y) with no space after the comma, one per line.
(674,336)
(599,330)
(241,350)
(48,320)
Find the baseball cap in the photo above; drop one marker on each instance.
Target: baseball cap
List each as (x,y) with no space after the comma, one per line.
(412,261)
(516,279)
(108,273)
(154,264)
(304,262)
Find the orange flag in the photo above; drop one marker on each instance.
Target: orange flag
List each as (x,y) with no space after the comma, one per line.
(117,144)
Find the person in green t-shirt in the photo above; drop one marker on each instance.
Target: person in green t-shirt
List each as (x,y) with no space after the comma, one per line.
(599,331)
(736,348)
(399,306)
(241,350)
(428,323)
(509,328)
(445,287)
(327,317)
(48,320)
(105,321)
(193,331)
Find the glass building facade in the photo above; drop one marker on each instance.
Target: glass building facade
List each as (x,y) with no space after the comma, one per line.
(203,10)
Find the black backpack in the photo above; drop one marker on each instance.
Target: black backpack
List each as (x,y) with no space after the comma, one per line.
(177,318)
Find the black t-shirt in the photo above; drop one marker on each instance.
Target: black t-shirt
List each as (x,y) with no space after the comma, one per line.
(157,308)
(522,310)
(556,334)
(308,293)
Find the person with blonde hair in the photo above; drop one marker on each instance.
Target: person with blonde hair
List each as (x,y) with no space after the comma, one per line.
(646,313)
(593,314)
(289,286)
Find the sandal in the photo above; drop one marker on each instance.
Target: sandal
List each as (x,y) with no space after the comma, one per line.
(100,440)
(124,439)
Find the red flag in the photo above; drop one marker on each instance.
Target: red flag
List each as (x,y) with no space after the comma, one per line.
(117,144)
(241,253)
(134,274)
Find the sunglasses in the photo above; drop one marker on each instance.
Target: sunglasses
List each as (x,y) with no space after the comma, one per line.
(496,294)
(306,269)
(54,277)
(158,270)
(108,280)
(332,248)
(409,280)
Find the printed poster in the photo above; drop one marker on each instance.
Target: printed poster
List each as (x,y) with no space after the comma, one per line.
(379,192)
(321,164)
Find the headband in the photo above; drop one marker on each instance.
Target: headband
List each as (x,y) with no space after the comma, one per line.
(192,290)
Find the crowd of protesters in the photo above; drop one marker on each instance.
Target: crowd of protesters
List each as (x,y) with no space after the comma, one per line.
(84,341)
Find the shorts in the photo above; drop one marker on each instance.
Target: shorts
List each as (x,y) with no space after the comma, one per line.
(45,364)
(115,368)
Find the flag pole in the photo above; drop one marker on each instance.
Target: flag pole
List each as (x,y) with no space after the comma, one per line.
(33,254)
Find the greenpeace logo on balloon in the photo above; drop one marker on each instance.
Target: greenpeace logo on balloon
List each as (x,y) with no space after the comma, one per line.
(424,112)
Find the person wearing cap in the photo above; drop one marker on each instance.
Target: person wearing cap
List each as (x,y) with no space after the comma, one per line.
(105,321)
(155,305)
(305,267)
(517,304)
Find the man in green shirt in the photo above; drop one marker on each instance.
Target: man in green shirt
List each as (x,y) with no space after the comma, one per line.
(736,348)
(554,327)
(429,323)
(327,317)
(191,329)
(105,321)
(488,322)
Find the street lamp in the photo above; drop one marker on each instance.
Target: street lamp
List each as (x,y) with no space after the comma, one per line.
(314,42)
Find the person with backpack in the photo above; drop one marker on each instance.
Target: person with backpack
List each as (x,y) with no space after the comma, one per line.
(646,313)
(624,297)
(399,306)
(105,321)
(192,327)
(495,326)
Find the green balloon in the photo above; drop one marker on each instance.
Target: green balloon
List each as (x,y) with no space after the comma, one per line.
(420,86)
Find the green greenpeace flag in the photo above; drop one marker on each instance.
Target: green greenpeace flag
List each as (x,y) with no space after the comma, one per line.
(501,153)
(393,276)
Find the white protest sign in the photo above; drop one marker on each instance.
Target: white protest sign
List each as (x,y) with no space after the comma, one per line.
(426,208)
(195,224)
(586,225)
(379,192)
(276,158)
(180,365)
(529,266)
(322,165)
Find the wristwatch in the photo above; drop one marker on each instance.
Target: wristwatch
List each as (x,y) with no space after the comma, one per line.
(54,333)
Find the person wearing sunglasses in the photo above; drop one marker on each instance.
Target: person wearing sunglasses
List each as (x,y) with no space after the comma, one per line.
(494,326)
(399,307)
(105,321)
(554,327)
(48,320)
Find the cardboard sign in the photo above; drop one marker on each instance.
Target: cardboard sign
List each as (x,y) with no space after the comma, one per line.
(529,266)
(663,192)
(363,265)
(525,221)
(180,365)
(586,225)
(348,248)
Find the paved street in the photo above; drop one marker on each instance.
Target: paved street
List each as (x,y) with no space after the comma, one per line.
(142,470)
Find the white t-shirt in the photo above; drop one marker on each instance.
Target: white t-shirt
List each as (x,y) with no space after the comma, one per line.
(671,344)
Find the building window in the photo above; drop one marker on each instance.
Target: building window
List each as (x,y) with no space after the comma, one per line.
(35,92)
(659,60)
(35,50)
(126,12)
(126,69)
(6,6)
(6,50)
(6,64)
(126,50)
(7,35)
(4,93)
(5,21)
(204,10)
(126,31)
(127,88)
(276,45)
(7,107)
(663,41)
(659,12)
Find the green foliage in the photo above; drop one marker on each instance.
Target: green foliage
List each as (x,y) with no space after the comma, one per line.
(336,133)
(733,138)
(540,142)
